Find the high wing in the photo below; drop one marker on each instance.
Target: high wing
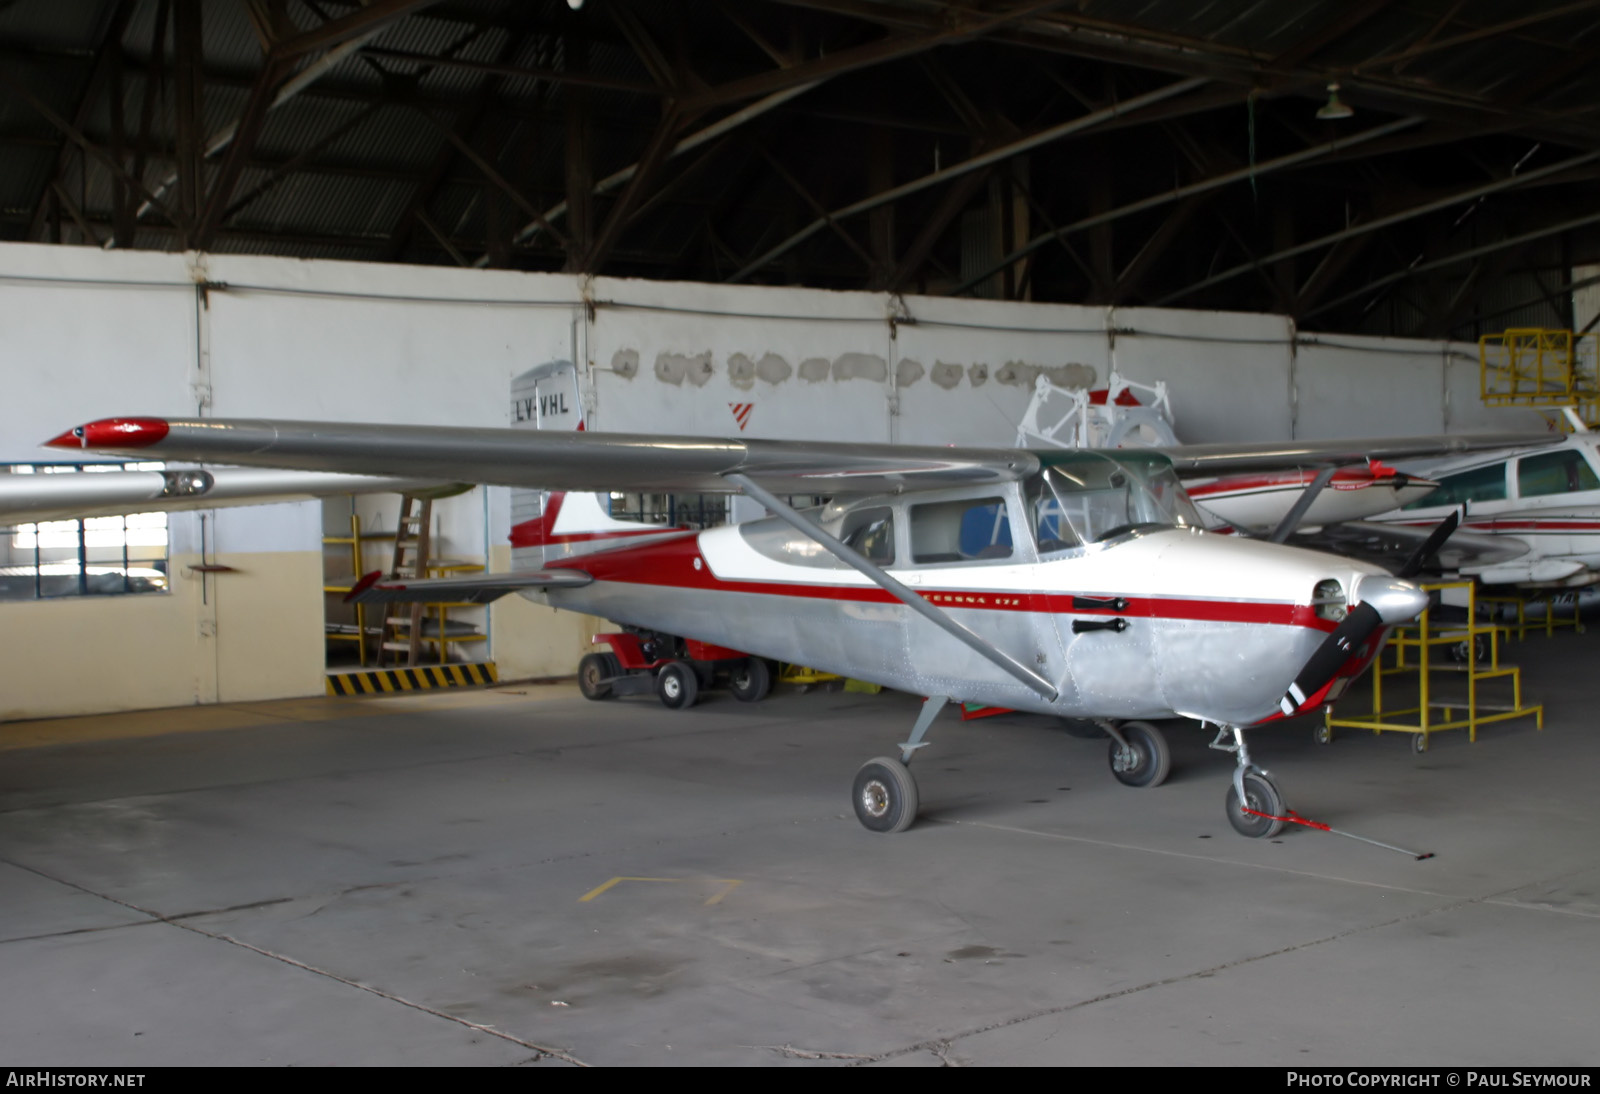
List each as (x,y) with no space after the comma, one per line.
(1221,459)
(28,498)
(666,464)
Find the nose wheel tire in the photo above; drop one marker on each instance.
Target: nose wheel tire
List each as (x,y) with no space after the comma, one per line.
(677,686)
(885,795)
(1145,760)
(1262,796)
(751,681)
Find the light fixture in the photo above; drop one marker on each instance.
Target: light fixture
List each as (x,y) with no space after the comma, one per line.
(1333,109)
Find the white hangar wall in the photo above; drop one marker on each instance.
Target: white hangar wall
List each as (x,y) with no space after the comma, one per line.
(90,334)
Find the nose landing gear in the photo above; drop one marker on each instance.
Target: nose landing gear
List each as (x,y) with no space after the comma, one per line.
(1254,804)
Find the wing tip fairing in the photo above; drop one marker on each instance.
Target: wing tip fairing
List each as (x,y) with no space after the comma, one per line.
(113,433)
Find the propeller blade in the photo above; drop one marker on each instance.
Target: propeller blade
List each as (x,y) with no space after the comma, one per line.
(1330,656)
(1435,540)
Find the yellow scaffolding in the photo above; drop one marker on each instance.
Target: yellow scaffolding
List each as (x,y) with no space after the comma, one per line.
(1432,715)
(1536,367)
(1528,606)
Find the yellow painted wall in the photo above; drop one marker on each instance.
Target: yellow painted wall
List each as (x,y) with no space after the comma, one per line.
(253,634)
(532,641)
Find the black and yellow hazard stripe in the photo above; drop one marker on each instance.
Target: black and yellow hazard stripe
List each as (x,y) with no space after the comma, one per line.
(393,681)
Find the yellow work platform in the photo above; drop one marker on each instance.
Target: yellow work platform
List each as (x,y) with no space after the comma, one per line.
(1528,619)
(1432,715)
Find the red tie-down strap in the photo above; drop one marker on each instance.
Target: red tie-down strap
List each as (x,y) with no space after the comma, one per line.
(1291,817)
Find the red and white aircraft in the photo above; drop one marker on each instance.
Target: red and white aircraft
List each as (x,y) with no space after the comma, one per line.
(1539,509)
(1078,583)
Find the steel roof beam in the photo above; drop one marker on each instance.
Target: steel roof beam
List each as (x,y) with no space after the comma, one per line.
(1456,258)
(1216,181)
(1457,198)
(1054,133)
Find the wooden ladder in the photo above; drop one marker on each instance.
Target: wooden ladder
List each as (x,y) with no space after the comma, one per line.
(411,532)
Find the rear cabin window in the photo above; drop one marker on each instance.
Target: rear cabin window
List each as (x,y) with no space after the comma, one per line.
(1482,484)
(959,531)
(871,533)
(1555,473)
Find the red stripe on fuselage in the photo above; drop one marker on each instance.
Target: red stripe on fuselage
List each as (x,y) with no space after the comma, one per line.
(1344,479)
(680,564)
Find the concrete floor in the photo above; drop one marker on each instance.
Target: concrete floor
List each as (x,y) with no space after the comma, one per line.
(424,880)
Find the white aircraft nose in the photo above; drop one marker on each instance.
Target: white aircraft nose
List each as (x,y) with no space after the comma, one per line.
(1394,600)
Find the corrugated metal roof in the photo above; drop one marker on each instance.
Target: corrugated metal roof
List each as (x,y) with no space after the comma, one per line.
(1498,84)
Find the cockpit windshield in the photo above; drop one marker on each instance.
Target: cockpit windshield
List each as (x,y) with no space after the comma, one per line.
(1089,497)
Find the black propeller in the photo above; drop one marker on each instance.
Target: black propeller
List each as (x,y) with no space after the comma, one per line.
(1330,656)
(1435,540)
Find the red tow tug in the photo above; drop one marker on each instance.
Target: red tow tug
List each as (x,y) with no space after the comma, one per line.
(676,669)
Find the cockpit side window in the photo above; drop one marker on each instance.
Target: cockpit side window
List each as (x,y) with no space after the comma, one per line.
(1479,484)
(960,531)
(1555,473)
(870,532)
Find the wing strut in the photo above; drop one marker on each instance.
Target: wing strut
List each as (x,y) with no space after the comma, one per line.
(982,647)
(1291,520)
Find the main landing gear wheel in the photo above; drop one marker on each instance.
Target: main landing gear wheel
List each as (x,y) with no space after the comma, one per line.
(1145,760)
(885,795)
(593,672)
(677,685)
(751,681)
(1262,796)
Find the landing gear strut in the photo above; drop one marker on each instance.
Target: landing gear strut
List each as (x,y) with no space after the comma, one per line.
(885,792)
(1254,802)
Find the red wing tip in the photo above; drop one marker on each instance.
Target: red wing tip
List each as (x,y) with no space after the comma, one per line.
(363,585)
(113,433)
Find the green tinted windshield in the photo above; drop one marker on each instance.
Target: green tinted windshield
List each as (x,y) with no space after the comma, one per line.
(1092,497)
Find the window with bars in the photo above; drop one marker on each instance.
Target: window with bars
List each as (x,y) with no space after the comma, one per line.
(97,556)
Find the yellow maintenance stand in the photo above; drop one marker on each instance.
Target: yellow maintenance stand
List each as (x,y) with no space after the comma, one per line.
(1431,715)
(1541,368)
(1536,611)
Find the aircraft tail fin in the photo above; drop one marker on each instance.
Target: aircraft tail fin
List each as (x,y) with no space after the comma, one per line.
(547,527)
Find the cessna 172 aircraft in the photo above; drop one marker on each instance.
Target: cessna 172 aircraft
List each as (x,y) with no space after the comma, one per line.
(1075,582)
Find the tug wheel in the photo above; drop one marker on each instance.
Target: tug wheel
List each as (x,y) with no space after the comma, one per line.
(593,672)
(751,681)
(677,685)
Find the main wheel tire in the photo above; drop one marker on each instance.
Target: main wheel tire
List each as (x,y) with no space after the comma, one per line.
(885,795)
(1146,760)
(677,685)
(751,680)
(593,672)
(1263,797)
